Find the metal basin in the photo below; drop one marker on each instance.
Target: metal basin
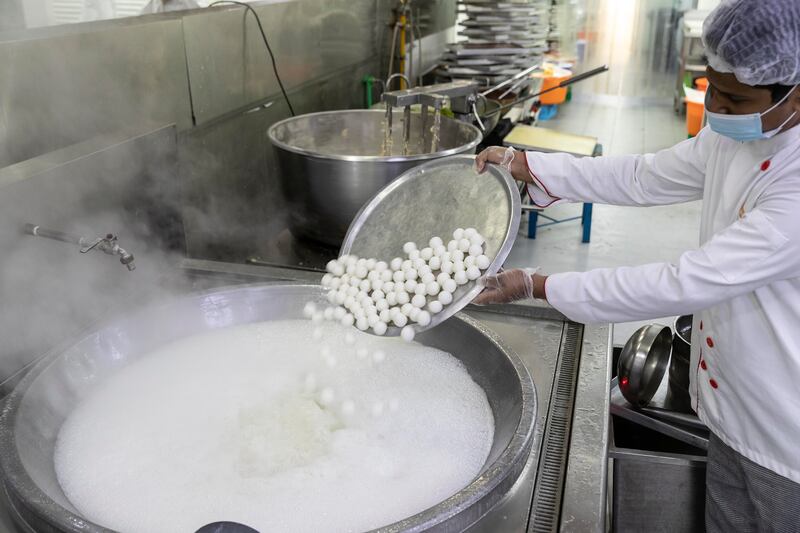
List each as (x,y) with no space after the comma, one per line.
(331,163)
(35,411)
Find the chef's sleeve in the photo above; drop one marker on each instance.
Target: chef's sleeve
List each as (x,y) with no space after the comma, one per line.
(670,176)
(760,248)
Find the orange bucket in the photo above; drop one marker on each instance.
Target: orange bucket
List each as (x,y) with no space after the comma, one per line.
(702,84)
(558,95)
(694,117)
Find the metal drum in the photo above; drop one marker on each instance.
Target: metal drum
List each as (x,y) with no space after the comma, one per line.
(35,411)
(331,163)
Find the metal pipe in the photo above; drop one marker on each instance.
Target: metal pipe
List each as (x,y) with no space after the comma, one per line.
(393,77)
(391,51)
(108,244)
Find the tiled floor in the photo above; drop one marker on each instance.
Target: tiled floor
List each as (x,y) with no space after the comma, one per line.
(620,235)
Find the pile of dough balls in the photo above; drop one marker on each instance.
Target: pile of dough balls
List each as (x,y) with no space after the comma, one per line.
(373,294)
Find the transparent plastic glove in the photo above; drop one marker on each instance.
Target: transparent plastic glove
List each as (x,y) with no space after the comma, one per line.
(506,157)
(507,286)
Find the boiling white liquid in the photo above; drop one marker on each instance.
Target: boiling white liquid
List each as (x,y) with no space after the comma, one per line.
(220,426)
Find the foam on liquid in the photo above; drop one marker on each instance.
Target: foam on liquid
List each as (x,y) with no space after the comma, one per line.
(222,426)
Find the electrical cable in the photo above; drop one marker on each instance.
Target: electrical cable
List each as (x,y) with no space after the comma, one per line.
(266,43)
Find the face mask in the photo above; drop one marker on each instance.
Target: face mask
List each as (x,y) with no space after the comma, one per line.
(745,127)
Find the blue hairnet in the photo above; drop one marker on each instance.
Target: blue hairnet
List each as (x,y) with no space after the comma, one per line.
(756,40)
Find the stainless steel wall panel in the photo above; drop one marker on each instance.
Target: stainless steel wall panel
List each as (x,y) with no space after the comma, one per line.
(59,90)
(229,68)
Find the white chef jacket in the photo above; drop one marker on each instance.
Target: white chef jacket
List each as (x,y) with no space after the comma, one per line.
(742,284)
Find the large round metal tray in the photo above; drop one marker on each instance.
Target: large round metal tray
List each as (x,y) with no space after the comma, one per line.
(435,199)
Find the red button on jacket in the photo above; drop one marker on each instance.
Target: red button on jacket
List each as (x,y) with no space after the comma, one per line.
(709,342)
(713,383)
(703,365)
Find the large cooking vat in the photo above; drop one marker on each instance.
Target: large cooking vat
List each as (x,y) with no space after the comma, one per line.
(35,411)
(331,163)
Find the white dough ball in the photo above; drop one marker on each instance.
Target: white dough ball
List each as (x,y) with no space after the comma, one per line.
(338,270)
(328,313)
(450,286)
(378,295)
(452,245)
(470,232)
(423,318)
(433,288)
(458,234)
(376,285)
(373,275)
(400,320)
(326,280)
(411,273)
(408,263)
(435,242)
(361,262)
(386,275)
(370,264)
(414,314)
(362,324)
(418,301)
(427,278)
(456,255)
(365,285)
(348,320)
(414,255)
(331,296)
(441,278)
(339,312)
(361,272)
(380,266)
(426,253)
(409,246)
(395,263)
(309,309)
(475,249)
(410,285)
(331,266)
(326,396)
(385,316)
(460,277)
(402,297)
(399,276)
(407,333)
(447,256)
(417,264)
(445,298)
(482,262)
(346,279)
(435,263)
(379,328)
(435,307)
(350,270)
(469,260)
(348,303)
(477,239)
(421,289)
(406,309)
(458,266)
(355,282)
(340,298)
(348,407)
(335,283)
(388,286)
(464,245)
(317,317)
(447,267)
(373,319)
(473,273)
(391,298)
(381,305)
(424,270)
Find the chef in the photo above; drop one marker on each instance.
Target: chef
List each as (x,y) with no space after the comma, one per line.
(742,284)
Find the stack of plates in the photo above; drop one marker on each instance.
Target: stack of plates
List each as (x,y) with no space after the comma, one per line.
(497,39)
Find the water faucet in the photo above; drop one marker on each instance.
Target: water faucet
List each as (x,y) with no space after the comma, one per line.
(107,244)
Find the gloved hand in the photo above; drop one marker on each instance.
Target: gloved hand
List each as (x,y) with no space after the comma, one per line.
(508,286)
(509,158)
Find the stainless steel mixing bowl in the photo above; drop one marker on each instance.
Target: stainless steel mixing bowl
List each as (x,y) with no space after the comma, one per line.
(35,411)
(330,163)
